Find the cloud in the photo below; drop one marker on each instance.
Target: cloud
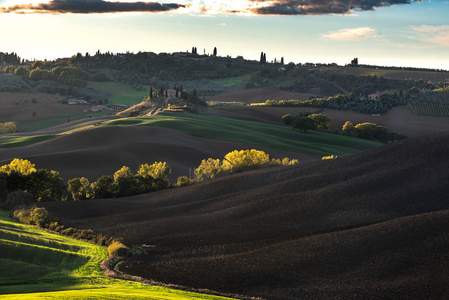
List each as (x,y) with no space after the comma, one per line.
(353,34)
(90,6)
(318,7)
(438,35)
(259,7)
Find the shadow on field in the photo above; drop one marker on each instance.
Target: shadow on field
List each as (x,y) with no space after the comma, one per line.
(368,226)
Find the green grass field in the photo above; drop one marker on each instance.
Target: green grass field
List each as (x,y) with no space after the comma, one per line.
(36,264)
(24,141)
(260,134)
(234,83)
(121,94)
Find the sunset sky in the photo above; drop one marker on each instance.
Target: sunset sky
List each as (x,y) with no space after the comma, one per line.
(380,32)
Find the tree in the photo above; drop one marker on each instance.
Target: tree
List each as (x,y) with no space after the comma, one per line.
(124,180)
(321,121)
(215,51)
(157,171)
(209,169)
(288,119)
(282,60)
(303,124)
(370,131)
(104,187)
(348,127)
(20,166)
(151,92)
(79,187)
(244,160)
(46,186)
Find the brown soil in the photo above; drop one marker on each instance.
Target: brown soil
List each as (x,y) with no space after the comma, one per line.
(399,119)
(258,96)
(104,150)
(47,106)
(369,226)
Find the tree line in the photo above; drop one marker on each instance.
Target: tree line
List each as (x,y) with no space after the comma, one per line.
(21,183)
(305,121)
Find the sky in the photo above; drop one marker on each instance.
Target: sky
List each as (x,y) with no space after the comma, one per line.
(408,33)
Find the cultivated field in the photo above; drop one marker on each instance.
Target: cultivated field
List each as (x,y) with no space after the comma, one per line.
(47,112)
(399,119)
(370,225)
(180,140)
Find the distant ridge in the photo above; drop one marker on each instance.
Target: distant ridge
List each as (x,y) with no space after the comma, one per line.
(368,226)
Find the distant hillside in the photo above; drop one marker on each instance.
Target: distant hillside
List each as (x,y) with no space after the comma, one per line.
(373,225)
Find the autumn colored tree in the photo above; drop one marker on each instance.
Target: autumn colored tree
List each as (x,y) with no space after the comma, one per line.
(303,124)
(348,127)
(321,121)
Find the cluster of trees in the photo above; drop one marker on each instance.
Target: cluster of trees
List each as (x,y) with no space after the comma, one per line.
(11,58)
(307,121)
(44,70)
(343,102)
(7,127)
(20,174)
(237,161)
(124,183)
(372,131)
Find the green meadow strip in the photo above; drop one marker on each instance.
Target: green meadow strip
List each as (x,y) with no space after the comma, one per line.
(24,141)
(257,133)
(36,264)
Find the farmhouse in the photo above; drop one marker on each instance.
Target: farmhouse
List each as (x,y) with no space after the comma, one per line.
(98,108)
(76,102)
(375,96)
(171,93)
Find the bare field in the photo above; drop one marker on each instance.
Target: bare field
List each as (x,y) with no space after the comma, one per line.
(373,225)
(47,106)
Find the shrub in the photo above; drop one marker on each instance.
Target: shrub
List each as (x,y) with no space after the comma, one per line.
(117,249)
(22,215)
(184,181)
(39,216)
(244,160)
(329,157)
(209,169)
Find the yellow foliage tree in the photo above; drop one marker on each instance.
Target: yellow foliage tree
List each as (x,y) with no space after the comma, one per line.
(8,127)
(238,161)
(22,166)
(158,170)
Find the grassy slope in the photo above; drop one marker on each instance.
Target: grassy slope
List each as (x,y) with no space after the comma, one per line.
(24,141)
(121,94)
(234,83)
(259,134)
(38,264)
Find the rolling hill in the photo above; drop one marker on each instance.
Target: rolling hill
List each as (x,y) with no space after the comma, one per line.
(373,225)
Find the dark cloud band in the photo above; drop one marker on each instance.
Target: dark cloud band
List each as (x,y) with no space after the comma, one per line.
(319,7)
(91,6)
